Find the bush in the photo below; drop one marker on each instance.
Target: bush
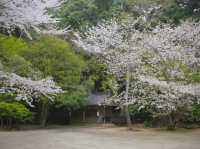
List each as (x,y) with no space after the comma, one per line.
(184,117)
(196,113)
(193,116)
(14,113)
(142,115)
(148,123)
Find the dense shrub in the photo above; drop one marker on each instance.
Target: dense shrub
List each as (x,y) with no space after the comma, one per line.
(196,113)
(14,114)
(192,117)
(184,117)
(142,115)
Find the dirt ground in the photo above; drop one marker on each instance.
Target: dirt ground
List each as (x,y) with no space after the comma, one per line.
(98,137)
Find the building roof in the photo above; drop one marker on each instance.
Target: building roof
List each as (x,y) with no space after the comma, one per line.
(96,99)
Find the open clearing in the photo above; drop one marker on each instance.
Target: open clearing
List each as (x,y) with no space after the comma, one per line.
(83,137)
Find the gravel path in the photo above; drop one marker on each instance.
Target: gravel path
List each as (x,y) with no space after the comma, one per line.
(99,138)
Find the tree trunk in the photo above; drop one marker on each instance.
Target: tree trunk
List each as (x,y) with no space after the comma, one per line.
(10,123)
(104,114)
(172,123)
(126,107)
(1,123)
(7,123)
(84,119)
(44,112)
(70,117)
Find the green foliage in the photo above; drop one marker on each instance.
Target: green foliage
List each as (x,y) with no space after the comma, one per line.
(93,78)
(194,114)
(175,14)
(196,76)
(10,47)
(48,56)
(55,57)
(16,112)
(99,75)
(178,11)
(142,115)
(82,13)
(190,4)
(144,2)
(8,97)
(72,100)
(77,13)
(148,123)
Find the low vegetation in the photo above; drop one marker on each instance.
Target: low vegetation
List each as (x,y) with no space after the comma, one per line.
(13,114)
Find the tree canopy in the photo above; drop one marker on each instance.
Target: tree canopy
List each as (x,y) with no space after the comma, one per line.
(142,53)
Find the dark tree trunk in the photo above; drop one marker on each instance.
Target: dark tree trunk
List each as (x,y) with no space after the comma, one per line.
(128,118)
(84,118)
(1,123)
(10,123)
(70,117)
(126,107)
(44,112)
(172,122)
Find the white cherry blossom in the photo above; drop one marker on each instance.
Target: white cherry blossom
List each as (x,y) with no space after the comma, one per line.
(27,89)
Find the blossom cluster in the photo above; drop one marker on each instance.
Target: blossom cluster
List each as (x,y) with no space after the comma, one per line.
(26,14)
(27,89)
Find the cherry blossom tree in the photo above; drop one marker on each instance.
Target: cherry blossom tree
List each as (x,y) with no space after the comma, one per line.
(27,89)
(26,14)
(30,90)
(111,41)
(128,51)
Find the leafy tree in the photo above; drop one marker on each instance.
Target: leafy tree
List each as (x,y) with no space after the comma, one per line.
(10,58)
(80,14)
(44,57)
(55,57)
